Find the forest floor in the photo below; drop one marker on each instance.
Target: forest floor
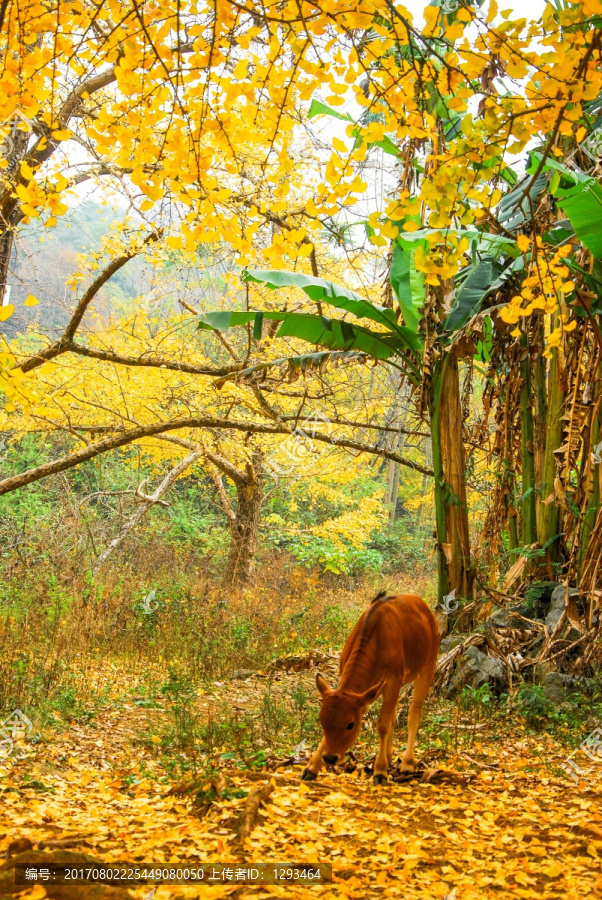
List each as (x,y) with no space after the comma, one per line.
(500,821)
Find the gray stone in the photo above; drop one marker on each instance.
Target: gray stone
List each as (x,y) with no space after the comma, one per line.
(502,618)
(474,669)
(243,673)
(542,670)
(557,606)
(499,619)
(558,688)
(452,640)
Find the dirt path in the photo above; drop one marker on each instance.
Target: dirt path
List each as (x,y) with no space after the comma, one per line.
(514,829)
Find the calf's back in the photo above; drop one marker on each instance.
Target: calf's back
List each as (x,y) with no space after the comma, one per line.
(397,637)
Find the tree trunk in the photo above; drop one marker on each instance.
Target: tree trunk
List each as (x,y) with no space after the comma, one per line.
(528,507)
(593,504)
(243,531)
(540,400)
(14,148)
(244,520)
(549,519)
(393,478)
(6,244)
(453,537)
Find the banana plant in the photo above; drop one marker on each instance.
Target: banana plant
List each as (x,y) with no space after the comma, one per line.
(401,346)
(374,330)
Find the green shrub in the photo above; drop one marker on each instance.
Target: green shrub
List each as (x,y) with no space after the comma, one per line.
(533,704)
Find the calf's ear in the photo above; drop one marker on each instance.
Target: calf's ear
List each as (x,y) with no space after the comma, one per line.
(371,694)
(322,685)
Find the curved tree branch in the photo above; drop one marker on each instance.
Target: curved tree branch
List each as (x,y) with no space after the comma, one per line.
(164,486)
(158,362)
(60,346)
(122,438)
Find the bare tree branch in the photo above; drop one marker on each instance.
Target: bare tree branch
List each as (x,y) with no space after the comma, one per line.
(123,438)
(61,346)
(222,495)
(157,362)
(225,466)
(155,498)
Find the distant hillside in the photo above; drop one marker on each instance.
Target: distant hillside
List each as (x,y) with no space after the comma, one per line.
(44,258)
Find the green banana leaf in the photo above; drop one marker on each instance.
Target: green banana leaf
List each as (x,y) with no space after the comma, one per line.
(559,233)
(593,280)
(221,321)
(505,172)
(317,108)
(335,334)
(319,290)
(580,196)
(485,346)
(471,295)
(514,210)
(491,244)
(386,144)
(408,284)
(452,127)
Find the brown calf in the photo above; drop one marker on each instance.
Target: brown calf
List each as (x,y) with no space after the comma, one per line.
(395,642)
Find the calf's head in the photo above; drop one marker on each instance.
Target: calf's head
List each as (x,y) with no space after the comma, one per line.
(341,717)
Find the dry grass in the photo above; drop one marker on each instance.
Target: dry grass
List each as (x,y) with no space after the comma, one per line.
(55,630)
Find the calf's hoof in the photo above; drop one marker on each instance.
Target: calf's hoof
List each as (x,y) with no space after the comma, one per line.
(308,775)
(380,779)
(406,768)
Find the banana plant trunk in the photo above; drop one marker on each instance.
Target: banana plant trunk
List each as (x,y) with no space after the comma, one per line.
(593,503)
(540,421)
(528,503)
(548,523)
(455,572)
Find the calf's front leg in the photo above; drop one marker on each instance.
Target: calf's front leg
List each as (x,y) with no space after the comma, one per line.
(312,770)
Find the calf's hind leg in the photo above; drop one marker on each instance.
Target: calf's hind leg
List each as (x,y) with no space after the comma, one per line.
(421,689)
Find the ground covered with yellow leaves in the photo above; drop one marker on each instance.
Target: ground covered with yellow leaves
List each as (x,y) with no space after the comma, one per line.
(499,821)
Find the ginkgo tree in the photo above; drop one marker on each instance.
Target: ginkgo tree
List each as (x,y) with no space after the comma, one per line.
(161,382)
(197,125)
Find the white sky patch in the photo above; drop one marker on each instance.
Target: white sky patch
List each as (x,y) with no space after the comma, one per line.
(529,9)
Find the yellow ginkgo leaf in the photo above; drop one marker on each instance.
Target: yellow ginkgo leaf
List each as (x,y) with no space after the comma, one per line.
(26,170)
(62,134)
(554,870)
(6,312)
(523,243)
(30,300)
